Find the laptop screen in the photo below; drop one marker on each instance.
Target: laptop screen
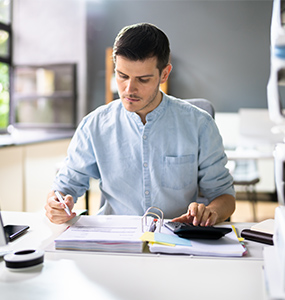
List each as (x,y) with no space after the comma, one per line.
(3,236)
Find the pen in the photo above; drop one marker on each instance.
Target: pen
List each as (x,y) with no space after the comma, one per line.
(153,225)
(59,197)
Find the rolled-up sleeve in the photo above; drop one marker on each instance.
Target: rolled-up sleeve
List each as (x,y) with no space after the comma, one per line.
(79,165)
(213,177)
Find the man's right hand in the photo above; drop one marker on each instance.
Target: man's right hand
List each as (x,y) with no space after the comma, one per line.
(55,210)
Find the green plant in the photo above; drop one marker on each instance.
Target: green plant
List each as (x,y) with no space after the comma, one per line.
(4,95)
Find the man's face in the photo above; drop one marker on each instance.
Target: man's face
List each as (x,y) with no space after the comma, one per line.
(138,84)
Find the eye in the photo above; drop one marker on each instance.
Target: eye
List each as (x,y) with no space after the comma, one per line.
(122,76)
(144,80)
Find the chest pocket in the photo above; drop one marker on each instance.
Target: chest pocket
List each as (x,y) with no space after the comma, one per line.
(178,171)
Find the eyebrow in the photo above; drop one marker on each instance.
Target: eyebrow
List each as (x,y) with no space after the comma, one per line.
(142,76)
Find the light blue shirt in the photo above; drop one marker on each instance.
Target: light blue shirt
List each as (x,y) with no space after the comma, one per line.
(163,163)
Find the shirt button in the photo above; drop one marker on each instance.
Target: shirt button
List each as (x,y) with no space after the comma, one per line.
(145,165)
(144,137)
(146,192)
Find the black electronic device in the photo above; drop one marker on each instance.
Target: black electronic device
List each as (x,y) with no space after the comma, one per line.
(189,231)
(14,231)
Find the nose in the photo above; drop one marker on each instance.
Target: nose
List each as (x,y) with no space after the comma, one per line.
(131,86)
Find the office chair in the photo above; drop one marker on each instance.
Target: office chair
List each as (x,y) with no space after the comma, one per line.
(245,174)
(203,104)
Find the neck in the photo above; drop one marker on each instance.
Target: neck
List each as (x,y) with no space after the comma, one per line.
(158,100)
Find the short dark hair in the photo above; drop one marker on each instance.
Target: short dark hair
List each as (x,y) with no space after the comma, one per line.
(141,41)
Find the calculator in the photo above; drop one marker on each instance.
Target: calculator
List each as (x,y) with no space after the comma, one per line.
(189,231)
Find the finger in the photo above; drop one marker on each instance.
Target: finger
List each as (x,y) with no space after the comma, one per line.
(69,202)
(212,219)
(50,200)
(183,219)
(193,209)
(189,216)
(53,202)
(205,217)
(59,216)
(199,213)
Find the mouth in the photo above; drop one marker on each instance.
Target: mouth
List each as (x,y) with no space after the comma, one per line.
(131,99)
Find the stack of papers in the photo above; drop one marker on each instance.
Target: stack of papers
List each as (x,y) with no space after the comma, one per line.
(103,233)
(168,242)
(125,234)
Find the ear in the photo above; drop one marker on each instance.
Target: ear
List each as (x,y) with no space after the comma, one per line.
(165,73)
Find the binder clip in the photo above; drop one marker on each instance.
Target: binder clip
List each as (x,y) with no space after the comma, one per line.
(158,217)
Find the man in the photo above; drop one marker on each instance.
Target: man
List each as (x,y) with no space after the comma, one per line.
(147,148)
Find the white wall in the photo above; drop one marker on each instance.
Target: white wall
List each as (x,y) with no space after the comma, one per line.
(220,49)
(52,31)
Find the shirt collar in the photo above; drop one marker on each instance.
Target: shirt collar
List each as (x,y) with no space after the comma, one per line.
(153,115)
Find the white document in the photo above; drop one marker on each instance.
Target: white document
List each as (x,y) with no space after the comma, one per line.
(103,233)
(227,246)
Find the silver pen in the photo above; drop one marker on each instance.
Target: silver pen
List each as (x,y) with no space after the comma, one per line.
(59,197)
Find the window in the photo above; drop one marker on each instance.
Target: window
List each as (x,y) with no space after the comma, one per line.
(44,96)
(33,96)
(4,96)
(5,62)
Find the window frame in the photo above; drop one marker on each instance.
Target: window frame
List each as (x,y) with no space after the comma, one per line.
(9,59)
(7,28)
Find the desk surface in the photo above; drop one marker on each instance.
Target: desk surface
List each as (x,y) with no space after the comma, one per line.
(25,137)
(123,276)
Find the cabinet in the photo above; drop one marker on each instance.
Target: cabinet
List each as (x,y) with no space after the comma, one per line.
(11,178)
(27,173)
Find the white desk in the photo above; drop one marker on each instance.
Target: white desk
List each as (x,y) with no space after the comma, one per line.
(67,275)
